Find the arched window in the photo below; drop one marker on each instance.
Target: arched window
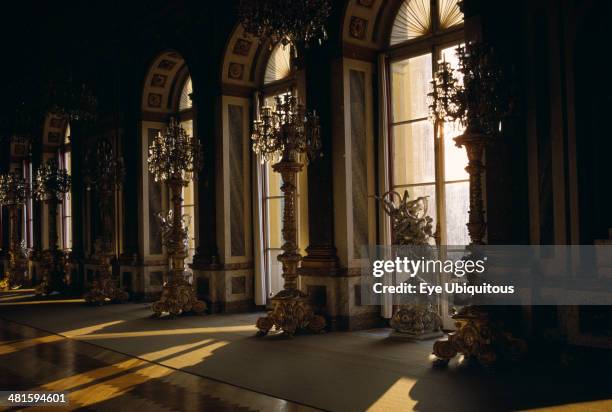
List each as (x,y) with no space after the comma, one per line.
(278,80)
(186,116)
(167,93)
(28,210)
(423,159)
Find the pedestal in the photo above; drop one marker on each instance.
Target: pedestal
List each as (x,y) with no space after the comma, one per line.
(104,289)
(291,309)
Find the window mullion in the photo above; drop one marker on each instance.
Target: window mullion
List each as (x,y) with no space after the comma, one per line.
(439,160)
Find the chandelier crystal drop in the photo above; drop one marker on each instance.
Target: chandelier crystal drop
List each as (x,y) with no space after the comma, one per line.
(174,155)
(285,21)
(286,128)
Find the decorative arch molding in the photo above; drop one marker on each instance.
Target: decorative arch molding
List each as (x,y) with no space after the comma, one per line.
(54,130)
(366,23)
(244,62)
(166,71)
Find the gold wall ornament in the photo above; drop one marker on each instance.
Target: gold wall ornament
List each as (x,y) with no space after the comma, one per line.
(412,226)
(174,159)
(50,186)
(282,135)
(104,172)
(14,191)
(481,100)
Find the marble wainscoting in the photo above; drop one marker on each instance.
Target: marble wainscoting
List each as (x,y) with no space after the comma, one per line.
(338,298)
(226,288)
(143,280)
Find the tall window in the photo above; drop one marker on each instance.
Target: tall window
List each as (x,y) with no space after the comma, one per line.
(424,159)
(278,80)
(66,206)
(28,210)
(186,116)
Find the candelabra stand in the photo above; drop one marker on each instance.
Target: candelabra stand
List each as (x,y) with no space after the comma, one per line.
(288,131)
(104,173)
(173,158)
(411,227)
(481,102)
(13,193)
(52,183)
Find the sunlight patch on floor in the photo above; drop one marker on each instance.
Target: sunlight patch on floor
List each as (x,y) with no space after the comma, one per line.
(7,348)
(90,329)
(42,302)
(396,398)
(163,332)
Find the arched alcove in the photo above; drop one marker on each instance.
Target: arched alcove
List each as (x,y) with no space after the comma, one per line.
(166,92)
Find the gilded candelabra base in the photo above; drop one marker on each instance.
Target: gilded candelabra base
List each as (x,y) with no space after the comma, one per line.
(104,289)
(53,278)
(291,311)
(416,321)
(15,274)
(178,297)
(478,337)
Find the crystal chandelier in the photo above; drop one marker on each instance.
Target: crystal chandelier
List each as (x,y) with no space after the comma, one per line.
(103,170)
(474,94)
(282,135)
(481,102)
(287,128)
(13,190)
(174,156)
(285,21)
(70,100)
(51,183)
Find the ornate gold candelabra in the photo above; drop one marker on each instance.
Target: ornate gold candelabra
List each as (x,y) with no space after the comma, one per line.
(287,132)
(481,101)
(411,226)
(174,157)
(13,194)
(104,173)
(51,184)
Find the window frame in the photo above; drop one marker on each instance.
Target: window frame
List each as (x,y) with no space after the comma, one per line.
(182,116)
(270,90)
(432,43)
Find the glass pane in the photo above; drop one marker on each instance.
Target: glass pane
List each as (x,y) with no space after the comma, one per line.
(415,192)
(274,181)
(413,20)
(455,158)
(449,12)
(410,83)
(279,64)
(413,153)
(188,126)
(449,55)
(188,193)
(185,100)
(275,270)
(275,218)
(457,207)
